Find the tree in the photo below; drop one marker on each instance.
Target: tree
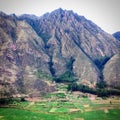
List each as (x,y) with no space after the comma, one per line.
(72,87)
(101,84)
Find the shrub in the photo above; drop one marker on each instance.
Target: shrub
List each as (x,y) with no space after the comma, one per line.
(5,101)
(101,84)
(66,77)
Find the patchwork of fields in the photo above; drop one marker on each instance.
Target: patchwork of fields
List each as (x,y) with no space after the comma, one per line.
(63,105)
(78,109)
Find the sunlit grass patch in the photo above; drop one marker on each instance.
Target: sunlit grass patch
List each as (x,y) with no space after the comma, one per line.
(53,110)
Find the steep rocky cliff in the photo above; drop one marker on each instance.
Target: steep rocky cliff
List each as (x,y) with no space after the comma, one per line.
(67,34)
(22,54)
(94,42)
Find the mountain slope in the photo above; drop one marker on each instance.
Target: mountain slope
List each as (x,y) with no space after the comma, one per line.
(117,35)
(20,57)
(89,37)
(66,35)
(59,31)
(112,71)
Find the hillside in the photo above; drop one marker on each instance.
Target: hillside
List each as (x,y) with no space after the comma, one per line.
(20,58)
(65,32)
(94,42)
(117,35)
(112,71)
(60,46)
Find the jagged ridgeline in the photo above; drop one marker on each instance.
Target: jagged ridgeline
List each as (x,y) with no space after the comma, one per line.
(59,46)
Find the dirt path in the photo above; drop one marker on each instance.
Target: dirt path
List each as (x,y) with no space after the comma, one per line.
(79,119)
(1,117)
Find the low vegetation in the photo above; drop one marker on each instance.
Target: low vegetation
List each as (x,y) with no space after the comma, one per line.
(43,75)
(62,105)
(68,76)
(55,108)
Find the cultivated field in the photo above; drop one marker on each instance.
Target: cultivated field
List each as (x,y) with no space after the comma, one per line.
(63,105)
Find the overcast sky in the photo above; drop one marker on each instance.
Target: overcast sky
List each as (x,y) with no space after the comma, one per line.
(105,13)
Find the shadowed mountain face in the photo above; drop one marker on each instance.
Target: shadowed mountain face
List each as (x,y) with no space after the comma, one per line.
(117,35)
(58,44)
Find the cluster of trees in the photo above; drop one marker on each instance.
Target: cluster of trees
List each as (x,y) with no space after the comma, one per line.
(100,90)
(83,88)
(10,100)
(68,76)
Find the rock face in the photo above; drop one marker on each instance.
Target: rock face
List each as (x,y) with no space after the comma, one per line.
(112,72)
(84,33)
(67,34)
(22,54)
(117,35)
(46,45)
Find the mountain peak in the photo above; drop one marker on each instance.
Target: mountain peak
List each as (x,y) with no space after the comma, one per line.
(59,10)
(2,14)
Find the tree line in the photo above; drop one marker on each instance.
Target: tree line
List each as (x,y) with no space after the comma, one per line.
(101,89)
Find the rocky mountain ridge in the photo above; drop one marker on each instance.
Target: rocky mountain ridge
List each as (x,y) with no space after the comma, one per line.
(59,45)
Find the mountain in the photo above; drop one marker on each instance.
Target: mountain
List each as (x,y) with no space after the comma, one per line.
(87,36)
(112,72)
(68,31)
(60,46)
(117,35)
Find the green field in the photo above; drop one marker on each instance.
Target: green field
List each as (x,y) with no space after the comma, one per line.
(77,108)
(63,105)
(19,114)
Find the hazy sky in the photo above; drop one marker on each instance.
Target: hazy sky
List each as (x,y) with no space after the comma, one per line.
(105,13)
